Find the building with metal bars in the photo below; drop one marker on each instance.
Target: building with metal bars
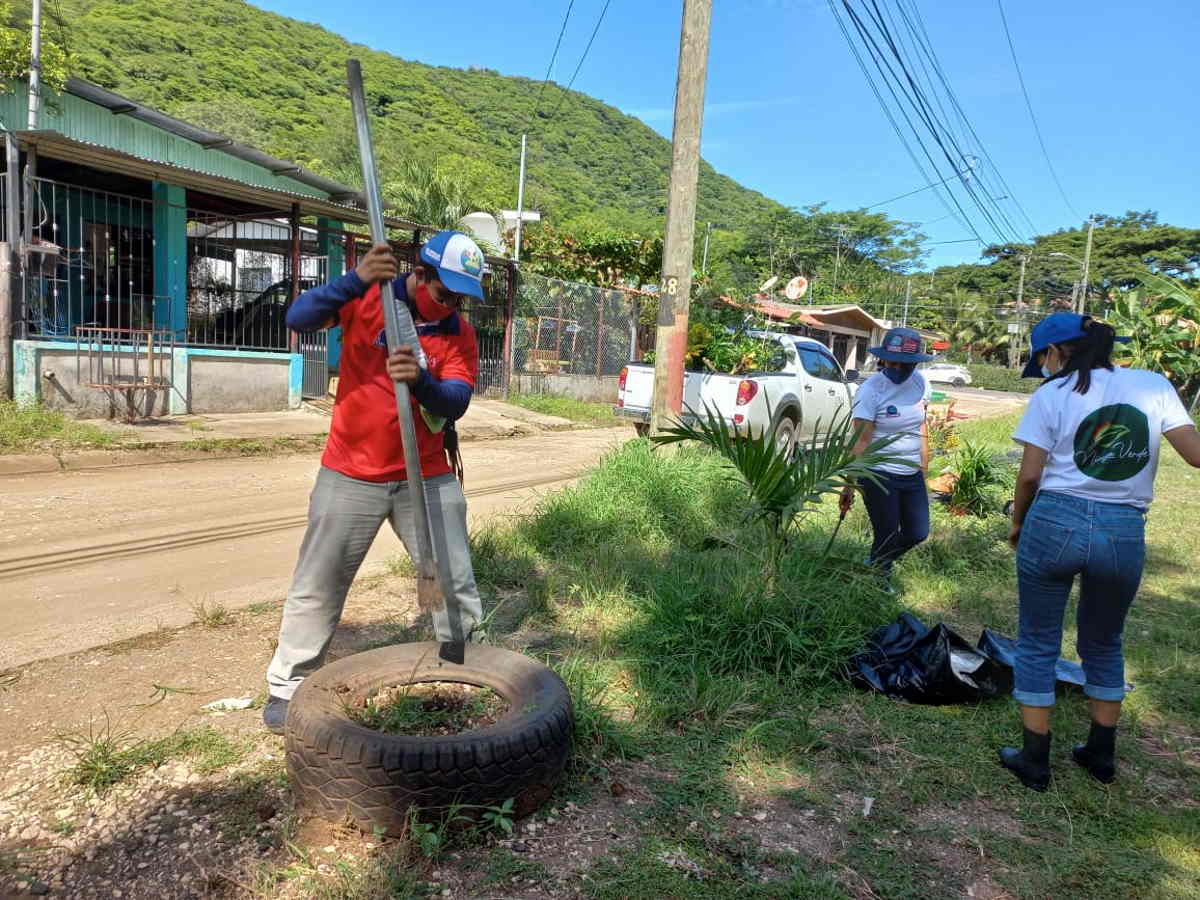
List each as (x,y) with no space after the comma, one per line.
(153,262)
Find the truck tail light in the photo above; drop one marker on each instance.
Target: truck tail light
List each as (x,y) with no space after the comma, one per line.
(746,392)
(621,385)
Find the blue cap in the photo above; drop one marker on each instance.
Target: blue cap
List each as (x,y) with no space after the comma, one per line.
(1056,328)
(458,260)
(901,345)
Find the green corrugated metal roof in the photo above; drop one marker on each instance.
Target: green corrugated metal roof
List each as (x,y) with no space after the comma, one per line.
(76,118)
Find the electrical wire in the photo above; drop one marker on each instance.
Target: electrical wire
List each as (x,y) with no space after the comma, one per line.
(1029,106)
(917,191)
(595,30)
(550,68)
(916,23)
(958,212)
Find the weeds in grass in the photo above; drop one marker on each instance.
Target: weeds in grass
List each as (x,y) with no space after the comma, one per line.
(28,426)
(105,758)
(212,614)
(430,709)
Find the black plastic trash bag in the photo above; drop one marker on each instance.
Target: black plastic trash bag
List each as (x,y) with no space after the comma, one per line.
(1003,650)
(909,661)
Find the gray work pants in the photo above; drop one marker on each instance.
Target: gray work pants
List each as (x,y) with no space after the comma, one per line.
(344,515)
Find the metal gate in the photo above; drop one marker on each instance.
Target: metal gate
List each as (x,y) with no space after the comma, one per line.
(314,347)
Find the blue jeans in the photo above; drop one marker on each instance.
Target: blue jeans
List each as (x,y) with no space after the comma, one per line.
(899,512)
(1103,543)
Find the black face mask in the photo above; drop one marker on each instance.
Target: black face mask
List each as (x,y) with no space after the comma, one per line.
(898,376)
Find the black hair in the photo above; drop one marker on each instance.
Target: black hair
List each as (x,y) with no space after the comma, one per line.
(1092,351)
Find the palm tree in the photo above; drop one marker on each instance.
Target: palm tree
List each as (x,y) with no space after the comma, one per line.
(424,194)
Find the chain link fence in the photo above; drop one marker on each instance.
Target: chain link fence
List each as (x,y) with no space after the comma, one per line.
(568,328)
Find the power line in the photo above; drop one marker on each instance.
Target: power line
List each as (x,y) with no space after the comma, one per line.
(923,41)
(1029,106)
(567,89)
(550,68)
(917,191)
(876,58)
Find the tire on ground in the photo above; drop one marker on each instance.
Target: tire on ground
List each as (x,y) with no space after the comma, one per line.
(343,771)
(641,429)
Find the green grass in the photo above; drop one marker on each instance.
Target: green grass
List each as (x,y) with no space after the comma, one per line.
(677,655)
(431,709)
(105,758)
(37,427)
(583,411)
(212,614)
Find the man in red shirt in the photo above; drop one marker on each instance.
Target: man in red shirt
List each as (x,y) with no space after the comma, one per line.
(362,480)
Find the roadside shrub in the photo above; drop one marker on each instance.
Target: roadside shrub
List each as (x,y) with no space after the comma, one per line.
(667,541)
(999,378)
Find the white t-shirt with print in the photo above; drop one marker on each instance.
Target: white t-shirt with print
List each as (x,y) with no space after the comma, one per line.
(1103,445)
(895,409)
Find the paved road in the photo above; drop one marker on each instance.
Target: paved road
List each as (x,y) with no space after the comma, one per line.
(89,557)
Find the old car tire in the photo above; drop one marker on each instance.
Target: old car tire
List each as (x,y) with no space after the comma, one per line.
(641,429)
(343,771)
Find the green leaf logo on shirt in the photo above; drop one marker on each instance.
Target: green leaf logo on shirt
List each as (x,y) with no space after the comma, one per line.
(1113,443)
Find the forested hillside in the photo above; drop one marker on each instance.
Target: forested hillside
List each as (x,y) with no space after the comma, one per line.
(280,84)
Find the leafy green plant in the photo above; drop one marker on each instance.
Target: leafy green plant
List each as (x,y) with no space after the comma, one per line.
(782,489)
(980,484)
(500,818)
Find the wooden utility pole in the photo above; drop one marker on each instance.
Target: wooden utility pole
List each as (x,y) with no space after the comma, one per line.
(670,343)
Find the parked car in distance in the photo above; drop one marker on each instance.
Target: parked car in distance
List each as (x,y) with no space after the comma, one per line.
(946,373)
(801,385)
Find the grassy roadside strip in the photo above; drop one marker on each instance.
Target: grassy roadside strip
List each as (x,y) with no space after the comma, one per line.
(726,693)
(583,411)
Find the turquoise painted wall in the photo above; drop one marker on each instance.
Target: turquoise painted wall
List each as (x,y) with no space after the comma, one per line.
(170,258)
(331,246)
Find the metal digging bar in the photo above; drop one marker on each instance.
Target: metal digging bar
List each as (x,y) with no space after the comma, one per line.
(401,332)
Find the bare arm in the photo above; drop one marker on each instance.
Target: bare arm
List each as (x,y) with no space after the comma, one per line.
(1033,462)
(1186,441)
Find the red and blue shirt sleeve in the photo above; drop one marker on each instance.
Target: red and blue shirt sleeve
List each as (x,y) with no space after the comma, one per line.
(321,306)
(449,393)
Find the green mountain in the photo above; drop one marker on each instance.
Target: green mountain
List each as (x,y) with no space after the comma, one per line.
(280,84)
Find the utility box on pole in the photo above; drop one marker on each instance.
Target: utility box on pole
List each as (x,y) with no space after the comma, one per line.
(670,345)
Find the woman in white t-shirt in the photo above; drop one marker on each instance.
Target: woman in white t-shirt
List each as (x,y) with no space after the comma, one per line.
(893,402)
(1091,435)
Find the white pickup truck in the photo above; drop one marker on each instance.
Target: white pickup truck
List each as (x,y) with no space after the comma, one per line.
(803,385)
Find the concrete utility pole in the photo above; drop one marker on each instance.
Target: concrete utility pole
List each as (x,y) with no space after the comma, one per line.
(35,66)
(520,204)
(707,234)
(670,343)
(837,260)
(1014,345)
(1087,259)
(907,297)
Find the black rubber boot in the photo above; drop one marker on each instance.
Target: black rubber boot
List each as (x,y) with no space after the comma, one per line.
(1097,754)
(1032,764)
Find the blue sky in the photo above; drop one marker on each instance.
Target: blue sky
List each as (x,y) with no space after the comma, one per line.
(790,114)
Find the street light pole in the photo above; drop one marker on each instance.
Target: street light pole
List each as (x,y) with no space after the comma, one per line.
(707,234)
(1014,345)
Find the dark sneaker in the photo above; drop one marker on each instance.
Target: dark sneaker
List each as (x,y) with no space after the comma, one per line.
(275,714)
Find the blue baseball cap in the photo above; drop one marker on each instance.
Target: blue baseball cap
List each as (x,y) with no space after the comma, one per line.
(1056,328)
(902,345)
(458,260)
